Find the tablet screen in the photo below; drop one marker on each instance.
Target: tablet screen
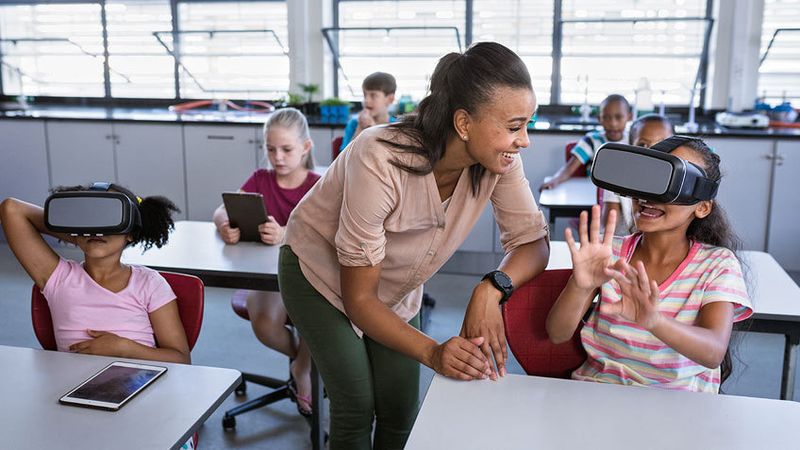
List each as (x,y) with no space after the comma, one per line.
(113,385)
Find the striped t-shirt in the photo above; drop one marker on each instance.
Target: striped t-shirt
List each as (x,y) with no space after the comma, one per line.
(590,142)
(621,352)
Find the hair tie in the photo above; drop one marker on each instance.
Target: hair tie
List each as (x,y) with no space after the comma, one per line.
(139,199)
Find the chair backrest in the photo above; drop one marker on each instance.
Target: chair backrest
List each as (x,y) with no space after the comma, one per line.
(581,172)
(188,291)
(525,314)
(336,146)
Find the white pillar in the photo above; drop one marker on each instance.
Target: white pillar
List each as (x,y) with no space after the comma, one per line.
(310,60)
(735,54)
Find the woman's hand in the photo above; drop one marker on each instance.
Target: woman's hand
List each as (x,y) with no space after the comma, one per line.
(271,232)
(483,319)
(229,234)
(102,343)
(461,359)
(639,294)
(591,259)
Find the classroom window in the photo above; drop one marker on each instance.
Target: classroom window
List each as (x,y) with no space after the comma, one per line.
(525,26)
(409,55)
(139,66)
(779,73)
(233,50)
(616,56)
(52,50)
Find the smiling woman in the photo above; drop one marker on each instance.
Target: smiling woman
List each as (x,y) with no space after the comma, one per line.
(387,215)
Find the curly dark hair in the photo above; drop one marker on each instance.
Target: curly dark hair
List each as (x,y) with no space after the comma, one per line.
(155,211)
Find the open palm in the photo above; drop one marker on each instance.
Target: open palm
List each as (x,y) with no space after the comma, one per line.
(591,259)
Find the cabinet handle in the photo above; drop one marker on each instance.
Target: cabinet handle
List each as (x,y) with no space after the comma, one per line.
(778,160)
(219,138)
(769,157)
(108,137)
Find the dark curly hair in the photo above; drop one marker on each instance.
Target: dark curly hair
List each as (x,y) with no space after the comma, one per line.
(155,211)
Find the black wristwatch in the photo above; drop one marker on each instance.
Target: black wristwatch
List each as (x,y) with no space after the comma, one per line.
(501,282)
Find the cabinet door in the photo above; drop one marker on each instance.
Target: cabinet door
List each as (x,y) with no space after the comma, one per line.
(218,159)
(23,160)
(784,221)
(322,138)
(745,188)
(80,152)
(150,161)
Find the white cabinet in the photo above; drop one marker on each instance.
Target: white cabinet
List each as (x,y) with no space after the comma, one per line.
(745,189)
(784,220)
(80,152)
(23,161)
(322,137)
(218,159)
(150,161)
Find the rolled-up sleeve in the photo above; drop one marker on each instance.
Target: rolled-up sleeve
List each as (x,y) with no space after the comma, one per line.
(368,197)
(515,210)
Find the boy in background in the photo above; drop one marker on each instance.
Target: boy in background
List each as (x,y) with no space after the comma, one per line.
(615,112)
(379,89)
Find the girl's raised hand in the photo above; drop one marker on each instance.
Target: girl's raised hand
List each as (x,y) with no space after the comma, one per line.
(639,294)
(591,259)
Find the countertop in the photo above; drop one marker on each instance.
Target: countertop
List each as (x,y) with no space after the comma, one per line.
(544,124)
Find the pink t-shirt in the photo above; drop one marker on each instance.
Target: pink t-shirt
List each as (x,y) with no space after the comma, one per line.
(279,201)
(77,304)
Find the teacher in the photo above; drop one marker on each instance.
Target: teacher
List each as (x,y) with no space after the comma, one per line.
(389,212)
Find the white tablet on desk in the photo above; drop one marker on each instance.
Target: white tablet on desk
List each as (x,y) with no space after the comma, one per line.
(113,386)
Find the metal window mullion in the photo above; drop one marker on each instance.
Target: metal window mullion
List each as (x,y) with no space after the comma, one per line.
(705,55)
(555,76)
(2,91)
(176,66)
(335,57)
(106,66)
(468,14)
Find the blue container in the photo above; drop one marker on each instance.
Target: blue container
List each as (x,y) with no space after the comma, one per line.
(342,111)
(326,110)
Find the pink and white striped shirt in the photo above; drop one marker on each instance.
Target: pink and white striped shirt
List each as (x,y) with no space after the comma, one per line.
(621,352)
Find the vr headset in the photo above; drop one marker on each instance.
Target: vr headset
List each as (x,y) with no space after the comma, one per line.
(652,174)
(95,212)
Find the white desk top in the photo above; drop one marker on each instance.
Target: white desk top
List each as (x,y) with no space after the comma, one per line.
(574,193)
(162,416)
(196,246)
(522,412)
(775,294)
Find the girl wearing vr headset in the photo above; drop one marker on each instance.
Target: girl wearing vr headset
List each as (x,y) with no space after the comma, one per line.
(101,306)
(669,295)
(288,147)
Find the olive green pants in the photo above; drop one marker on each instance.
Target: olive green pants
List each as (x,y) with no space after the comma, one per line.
(365,381)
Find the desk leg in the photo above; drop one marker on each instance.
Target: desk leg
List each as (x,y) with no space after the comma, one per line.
(552,216)
(789,366)
(317,410)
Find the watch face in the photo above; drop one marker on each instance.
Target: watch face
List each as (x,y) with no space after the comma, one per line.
(502,280)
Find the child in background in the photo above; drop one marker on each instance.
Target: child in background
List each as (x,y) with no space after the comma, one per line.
(669,295)
(615,112)
(288,147)
(379,89)
(101,306)
(644,132)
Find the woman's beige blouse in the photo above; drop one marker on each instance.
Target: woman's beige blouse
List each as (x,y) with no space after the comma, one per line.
(365,211)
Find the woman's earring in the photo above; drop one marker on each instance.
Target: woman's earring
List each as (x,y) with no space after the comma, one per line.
(465,138)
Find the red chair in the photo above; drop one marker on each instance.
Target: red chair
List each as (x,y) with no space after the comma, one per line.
(336,146)
(280,388)
(525,314)
(188,291)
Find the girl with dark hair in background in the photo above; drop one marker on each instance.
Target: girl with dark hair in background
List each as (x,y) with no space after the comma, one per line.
(669,294)
(386,216)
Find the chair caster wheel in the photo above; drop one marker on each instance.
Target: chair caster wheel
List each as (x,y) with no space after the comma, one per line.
(228,423)
(241,389)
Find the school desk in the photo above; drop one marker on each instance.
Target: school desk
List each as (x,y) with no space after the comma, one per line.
(569,198)
(525,412)
(776,303)
(164,415)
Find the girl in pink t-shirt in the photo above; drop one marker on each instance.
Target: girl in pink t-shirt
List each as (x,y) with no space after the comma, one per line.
(288,148)
(101,306)
(669,295)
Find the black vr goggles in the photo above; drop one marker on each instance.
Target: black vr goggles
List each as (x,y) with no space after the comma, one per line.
(652,174)
(97,211)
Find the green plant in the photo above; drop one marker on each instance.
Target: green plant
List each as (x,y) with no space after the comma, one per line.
(294,99)
(334,101)
(310,89)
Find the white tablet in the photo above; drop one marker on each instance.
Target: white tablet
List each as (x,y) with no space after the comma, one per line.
(113,386)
